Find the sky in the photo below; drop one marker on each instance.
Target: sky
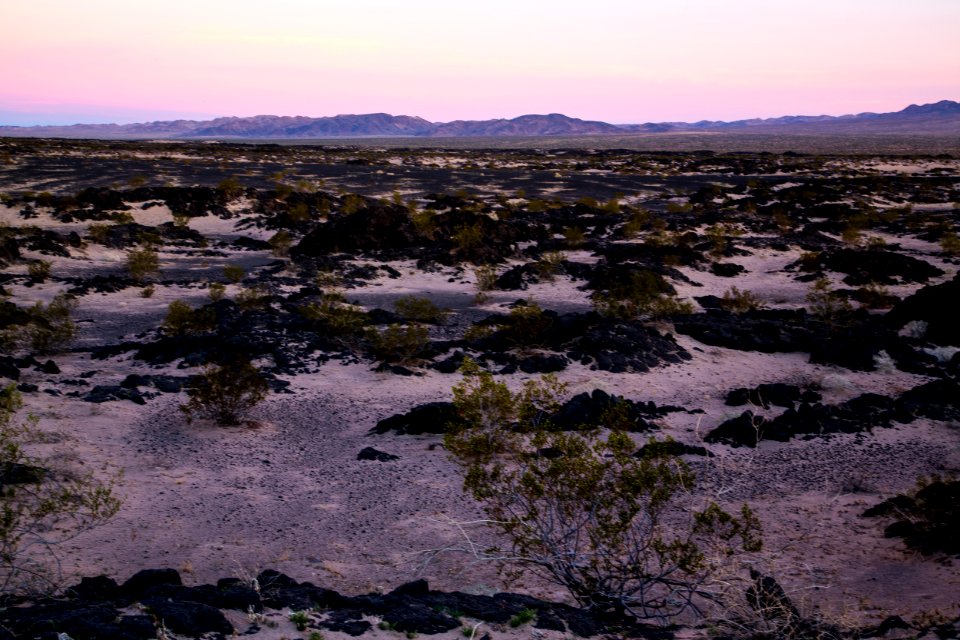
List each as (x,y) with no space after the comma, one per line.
(620,61)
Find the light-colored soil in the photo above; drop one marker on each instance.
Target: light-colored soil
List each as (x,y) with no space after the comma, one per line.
(289,493)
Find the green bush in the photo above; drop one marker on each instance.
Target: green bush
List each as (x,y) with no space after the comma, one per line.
(38,270)
(225,393)
(526,326)
(142,263)
(51,327)
(182,319)
(740,301)
(549,264)
(233,272)
(418,309)
(216,291)
(574,236)
(255,297)
(230,189)
(42,504)
(351,203)
(486,277)
(640,293)
(620,533)
(334,316)
(826,305)
(98,232)
(280,243)
(399,343)
(469,238)
(522,618)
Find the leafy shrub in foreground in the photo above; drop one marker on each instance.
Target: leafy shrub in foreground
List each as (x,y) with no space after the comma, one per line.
(617,531)
(42,503)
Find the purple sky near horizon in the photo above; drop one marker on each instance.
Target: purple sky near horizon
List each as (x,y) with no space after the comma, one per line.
(613,60)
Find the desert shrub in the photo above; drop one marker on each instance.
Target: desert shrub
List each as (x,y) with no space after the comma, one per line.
(719,237)
(486,277)
(180,220)
(230,189)
(299,212)
(225,393)
(419,309)
(401,343)
(122,217)
(640,293)
(874,295)
(334,316)
(637,221)
(142,263)
(351,203)
(182,319)
(148,291)
(255,297)
(526,325)
(574,237)
(328,279)
(523,617)
(588,201)
(468,238)
(233,272)
(809,261)
(98,232)
(679,207)
(478,331)
(852,235)
(216,291)
(42,503)
(825,304)
(51,326)
(423,221)
(549,264)
(619,532)
(950,243)
(612,205)
(740,301)
(38,270)
(280,243)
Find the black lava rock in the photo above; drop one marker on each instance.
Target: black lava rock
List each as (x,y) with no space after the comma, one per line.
(369,453)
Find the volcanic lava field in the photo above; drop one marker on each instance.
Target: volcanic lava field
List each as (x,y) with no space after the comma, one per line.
(804,354)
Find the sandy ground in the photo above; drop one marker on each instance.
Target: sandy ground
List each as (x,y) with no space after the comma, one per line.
(290,494)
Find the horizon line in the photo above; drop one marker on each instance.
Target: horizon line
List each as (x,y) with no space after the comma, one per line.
(440,122)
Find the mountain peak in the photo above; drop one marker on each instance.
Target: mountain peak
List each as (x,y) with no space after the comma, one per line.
(938,118)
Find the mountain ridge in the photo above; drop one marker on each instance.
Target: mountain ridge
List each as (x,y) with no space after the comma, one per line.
(938,118)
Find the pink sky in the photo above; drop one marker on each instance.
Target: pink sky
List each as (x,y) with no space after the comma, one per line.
(613,60)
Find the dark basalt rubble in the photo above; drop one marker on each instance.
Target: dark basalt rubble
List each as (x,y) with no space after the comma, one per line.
(863,266)
(589,338)
(98,608)
(928,519)
(777,393)
(936,307)
(853,343)
(936,400)
(93,608)
(580,411)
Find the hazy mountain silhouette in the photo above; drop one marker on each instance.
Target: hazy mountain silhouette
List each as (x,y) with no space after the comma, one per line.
(940,118)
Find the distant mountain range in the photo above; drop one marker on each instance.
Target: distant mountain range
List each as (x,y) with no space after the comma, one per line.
(940,118)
